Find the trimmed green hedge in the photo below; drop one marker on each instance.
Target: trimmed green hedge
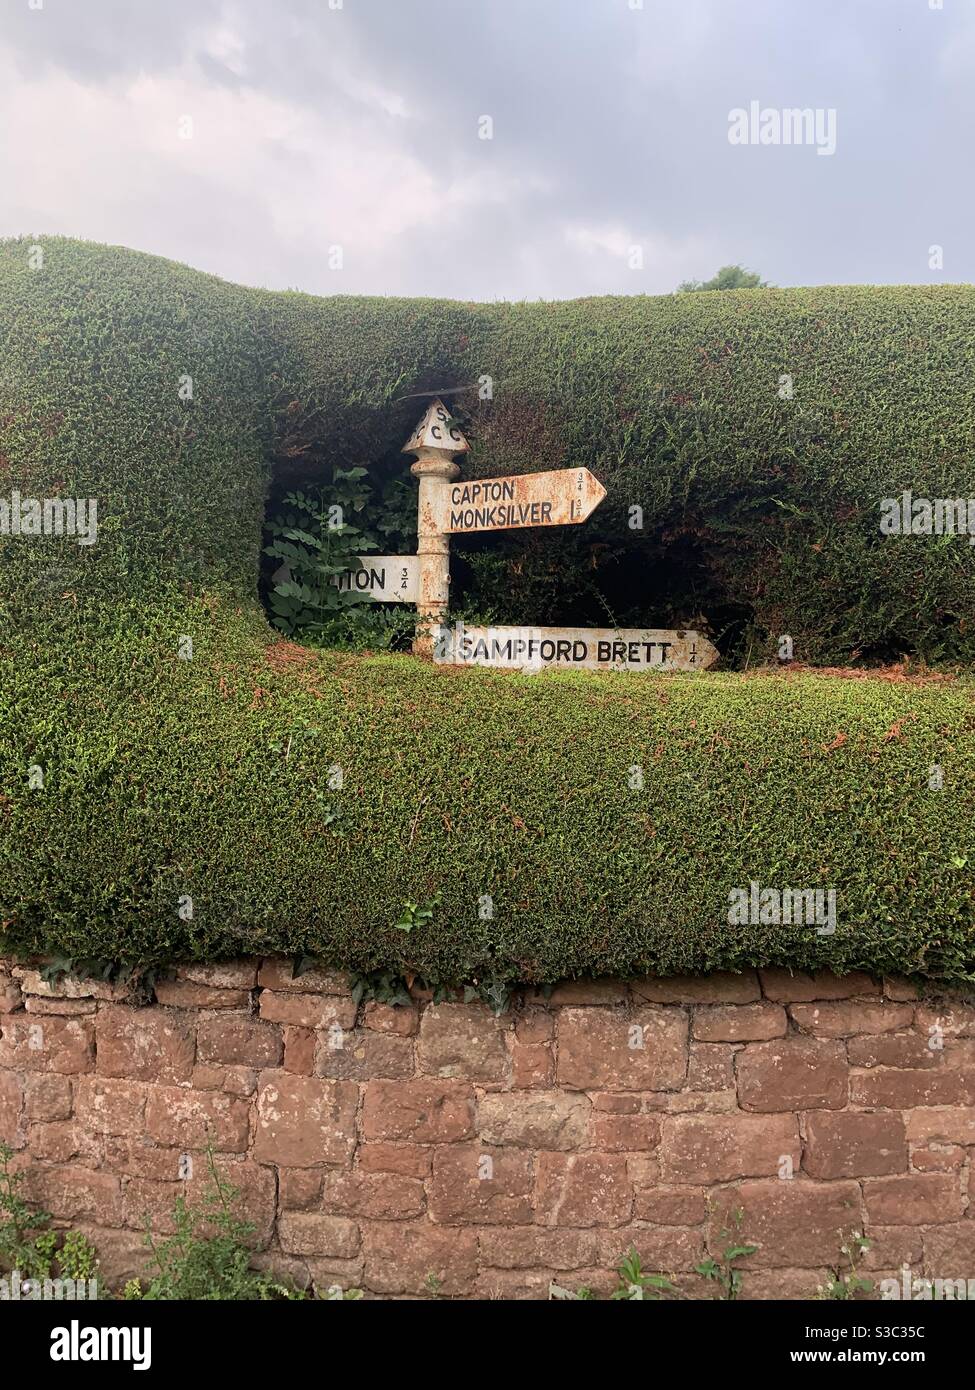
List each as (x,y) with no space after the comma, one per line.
(209,778)
(167,779)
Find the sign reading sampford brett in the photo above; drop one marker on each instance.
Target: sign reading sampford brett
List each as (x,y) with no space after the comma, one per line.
(574,648)
(560,498)
(383,578)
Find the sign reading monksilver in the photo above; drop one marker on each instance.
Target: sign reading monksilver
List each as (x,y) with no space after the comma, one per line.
(563,497)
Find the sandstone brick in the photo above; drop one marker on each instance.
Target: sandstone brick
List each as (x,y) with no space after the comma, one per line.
(794,1223)
(537,1247)
(60,1141)
(590,1189)
(950,1250)
(621,1133)
(534,1026)
(916,1199)
(60,1045)
(67,1008)
(701,1103)
(278,974)
(11,997)
(236,1081)
(110,1106)
(303,1121)
(227,974)
(669,1206)
(952,1124)
(606,992)
(315,1233)
(137,1156)
(643,1170)
(464,1041)
(534,1119)
(410,1160)
(11,1108)
(300,1046)
(723,987)
(378,1196)
(75,1194)
(720,1148)
(245,1042)
(68,987)
(364,1056)
(597,1049)
(891,1050)
(739,1022)
(473,1184)
(956,1020)
(625,1103)
(711,1067)
(151,1044)
(307,1010)
(532,1065)
(402,1019)
(189,1119)
(400,1258)
(300,1188)
(841,1144)
(845,1017)
(48,1097)
(894,1089)
(786,987)
(425,1112)
(792,1074)
(186,994)
(899,989)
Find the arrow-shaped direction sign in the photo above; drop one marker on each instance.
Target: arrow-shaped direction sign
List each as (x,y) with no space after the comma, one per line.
(563,497)
(385,578)
(574,648)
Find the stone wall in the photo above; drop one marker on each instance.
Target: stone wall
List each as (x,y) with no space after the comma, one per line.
(377,1146)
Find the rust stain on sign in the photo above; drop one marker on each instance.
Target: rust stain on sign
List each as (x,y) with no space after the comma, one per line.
(575,648)
(563,497)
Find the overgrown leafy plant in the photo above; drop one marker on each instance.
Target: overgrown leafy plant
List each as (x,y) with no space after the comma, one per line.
(416,914)
(636,1286)
(206,1257)
(317,538)
(26,1243)
(723,1271)
(844,1284)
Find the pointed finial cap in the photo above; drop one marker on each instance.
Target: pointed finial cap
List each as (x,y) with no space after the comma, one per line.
(436,431)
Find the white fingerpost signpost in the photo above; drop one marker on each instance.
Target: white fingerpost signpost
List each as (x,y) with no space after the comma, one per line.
(447,507)
(435,441)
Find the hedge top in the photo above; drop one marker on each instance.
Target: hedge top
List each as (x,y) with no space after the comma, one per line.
(674,402)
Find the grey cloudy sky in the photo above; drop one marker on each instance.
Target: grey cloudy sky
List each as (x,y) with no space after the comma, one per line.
(358,126)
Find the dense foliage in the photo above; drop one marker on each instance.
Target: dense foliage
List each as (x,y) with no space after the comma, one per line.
(168,763)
